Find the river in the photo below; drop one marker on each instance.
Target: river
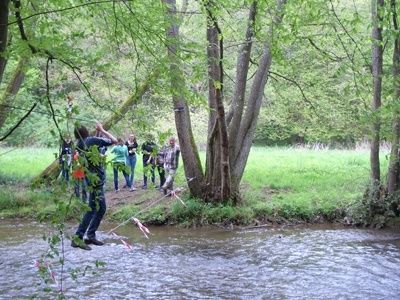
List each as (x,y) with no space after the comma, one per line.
(317,262)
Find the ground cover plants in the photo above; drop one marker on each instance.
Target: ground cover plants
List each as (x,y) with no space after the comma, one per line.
(290,184)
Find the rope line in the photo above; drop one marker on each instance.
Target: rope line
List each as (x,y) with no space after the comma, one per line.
(172,193)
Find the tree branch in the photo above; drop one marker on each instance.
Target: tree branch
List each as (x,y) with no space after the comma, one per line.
(298,86)
(347,33)
(65,9)
(18,123)
(42,112)
(50,56)
(324,52)
(48,99)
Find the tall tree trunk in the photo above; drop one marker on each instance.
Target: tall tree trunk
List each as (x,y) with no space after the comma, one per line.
(377,53)
(235,114)
(190,154)
(12,90)
(249,122)
(218,166)
(3,35)
(244,138)
(393,172)
(52,171)
(242,68)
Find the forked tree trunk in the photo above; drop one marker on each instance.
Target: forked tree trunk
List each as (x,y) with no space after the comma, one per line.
(243,127)
(227,151)
(218,166)
(247,129)
(377,52)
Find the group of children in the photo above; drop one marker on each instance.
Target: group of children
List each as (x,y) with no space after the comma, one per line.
(164,159)
(87,163)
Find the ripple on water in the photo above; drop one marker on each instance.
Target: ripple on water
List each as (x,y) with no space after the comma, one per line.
(301,263)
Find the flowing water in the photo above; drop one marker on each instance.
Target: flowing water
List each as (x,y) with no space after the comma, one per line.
(269,263)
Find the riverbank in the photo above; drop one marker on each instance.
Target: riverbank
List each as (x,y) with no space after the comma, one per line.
(279,185)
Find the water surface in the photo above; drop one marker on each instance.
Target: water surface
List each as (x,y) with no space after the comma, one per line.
(269,263)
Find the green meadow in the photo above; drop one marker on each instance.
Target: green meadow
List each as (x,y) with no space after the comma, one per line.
(278,184)
(303,183)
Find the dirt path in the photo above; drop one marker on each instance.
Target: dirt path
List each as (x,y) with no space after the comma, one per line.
(140,197)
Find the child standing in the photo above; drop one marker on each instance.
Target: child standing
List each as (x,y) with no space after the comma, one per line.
(119,163)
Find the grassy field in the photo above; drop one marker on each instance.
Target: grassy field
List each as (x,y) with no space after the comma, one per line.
(22,164)
(289,183)
(306,183)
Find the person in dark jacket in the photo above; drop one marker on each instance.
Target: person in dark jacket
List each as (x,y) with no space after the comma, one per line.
(149,150)
(95,175)
(66,157)
(160,159)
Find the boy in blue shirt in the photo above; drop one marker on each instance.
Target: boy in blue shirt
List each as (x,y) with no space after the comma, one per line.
(95,174)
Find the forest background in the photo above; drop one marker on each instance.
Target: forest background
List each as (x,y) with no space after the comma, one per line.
(319,86)
(113,45)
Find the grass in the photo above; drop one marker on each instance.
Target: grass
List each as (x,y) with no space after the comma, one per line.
(41,205)
(22,164)
(304,183)
(287,183)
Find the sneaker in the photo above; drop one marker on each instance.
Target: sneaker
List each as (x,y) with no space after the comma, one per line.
(79,243)
(93,241)
(132,189)
(116,191)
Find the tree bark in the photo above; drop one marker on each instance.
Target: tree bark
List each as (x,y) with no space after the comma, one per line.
(218,171)
(377,53)
(242,68)
(3,35)
(12,90)
(190,154)
(235,114)
(393,171)
(249,122)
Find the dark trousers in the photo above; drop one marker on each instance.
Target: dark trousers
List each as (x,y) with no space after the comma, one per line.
(80,186)
(65,170)
(120,167)
(146,169)
(161,173)
(91,219)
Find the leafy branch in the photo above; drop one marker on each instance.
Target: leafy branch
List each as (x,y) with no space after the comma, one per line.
(298,86)
(63,9)
(48,99)
(51,56)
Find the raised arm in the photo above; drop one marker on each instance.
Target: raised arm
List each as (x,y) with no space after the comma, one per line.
(99,127)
